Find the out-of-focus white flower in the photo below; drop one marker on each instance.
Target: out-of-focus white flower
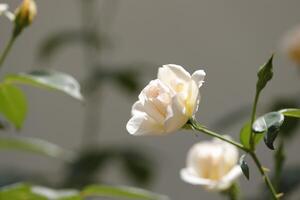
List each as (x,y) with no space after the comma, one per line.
(291,44)
(212,164)
(4,11)
(166,103)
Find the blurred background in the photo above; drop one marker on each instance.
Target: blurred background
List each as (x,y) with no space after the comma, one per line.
(114,48)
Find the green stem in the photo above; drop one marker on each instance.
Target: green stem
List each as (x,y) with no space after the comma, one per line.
(196,126)
(253,114)
(232,192)
(265,176)
(7,49)
(200,128)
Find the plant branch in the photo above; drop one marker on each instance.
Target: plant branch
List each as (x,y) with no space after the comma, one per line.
(194,125)
(265,176)
(7,50)
(253,114)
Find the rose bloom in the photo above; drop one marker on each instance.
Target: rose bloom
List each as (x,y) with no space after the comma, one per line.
(212,164)
(167,102)
(291,44)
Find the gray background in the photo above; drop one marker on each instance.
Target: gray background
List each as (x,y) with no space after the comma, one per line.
(228,39)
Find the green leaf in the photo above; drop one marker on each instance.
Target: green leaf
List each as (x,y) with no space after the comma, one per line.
(48,79)
(269,123)
(244,166)
(34,145)
(245,136)
(291,112)
(264,74)
(13,104)
(120,192)
(28,192)
(19,192)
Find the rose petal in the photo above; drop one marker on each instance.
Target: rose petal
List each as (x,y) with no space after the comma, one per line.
(171,72)
(188,177)
(176,117)
(142,124)
(198,76)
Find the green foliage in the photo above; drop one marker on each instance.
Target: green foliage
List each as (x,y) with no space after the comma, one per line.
(64,38)
(120,192)
(13,104)
(245,136)
(291,112)
(19,192)
(33,145)
(244,166)
(29,192)
(264,74)
(47,79)
(270,124)
(136,164)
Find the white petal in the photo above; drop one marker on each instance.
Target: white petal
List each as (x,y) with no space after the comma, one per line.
(149,108)
(176,117)
(142,124)
(3,7)
(188,177)
(231,176)
(170,72)
(198,76)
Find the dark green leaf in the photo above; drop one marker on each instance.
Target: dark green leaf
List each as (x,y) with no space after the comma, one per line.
(34,145)
(245,136)
(48,79)
(13,104)
(291,112)
(264,74)
(120,192)
(269,123)
(244,166)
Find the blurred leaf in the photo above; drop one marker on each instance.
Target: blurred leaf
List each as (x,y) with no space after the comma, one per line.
(244,166)
(65,38)
(120,192)
(269,123)
(264,74)
(19,192)
(138,166)
(291,112)
(52,194)
(128,79)
(34,145)
(27,192)
(13,104)
(48,79)
(245,136)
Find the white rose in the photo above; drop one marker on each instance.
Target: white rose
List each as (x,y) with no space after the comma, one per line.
(212,164)
(166,103)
